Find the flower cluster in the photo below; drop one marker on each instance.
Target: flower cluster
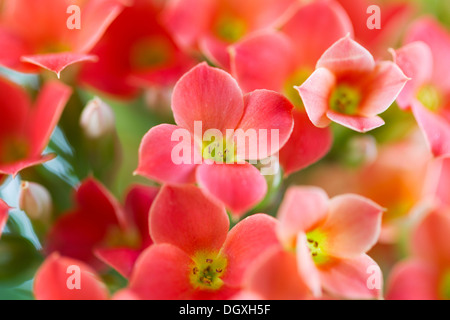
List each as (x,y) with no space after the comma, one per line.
(223,149)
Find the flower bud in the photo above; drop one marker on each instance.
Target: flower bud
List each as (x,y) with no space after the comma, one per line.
(35,200)
(97,119)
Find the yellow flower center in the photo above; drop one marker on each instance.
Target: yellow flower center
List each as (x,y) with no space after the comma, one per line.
(230,28)
(151,52)
(14,149)
(296,79)
(345,99)
(221,151)
(430,97)
(207,270)
(315,241)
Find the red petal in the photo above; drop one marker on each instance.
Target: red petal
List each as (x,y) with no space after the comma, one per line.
(54,275)
(315,92)
(155,156)
(4,208)
(209,95)
(306,266)
(358,278)
(314,28)
(239,186)
(216,51)
(162,273)
(306,145)
(246,242)
(45,115)
(57,62)
(121,259)
(262,61)
(268,111)
(14,168)
(429,240)
(183,216)
(413,280)
(137,206)
(357,123)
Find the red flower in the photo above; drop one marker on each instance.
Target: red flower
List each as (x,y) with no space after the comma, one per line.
(99,228)
(35,34)
(26,127)
(135,50)
(4,208)
(212,97)
(194,255)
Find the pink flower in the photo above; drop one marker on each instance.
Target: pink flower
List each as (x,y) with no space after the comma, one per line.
(136,50)
(212,25)
(4,208)
(100,228)
(57,279)
(330,238)
(350,88)
(26,127)
(425,60)
(194,255)
(212,98)
(35,34)
(425,276)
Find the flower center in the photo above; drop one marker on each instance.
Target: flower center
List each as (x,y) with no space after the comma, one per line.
(207,270)
(153,52)
(315,241)
(296,79)
(230,28)
(345,99)
(14,149)
(444,286)
(430,97)
(220,151)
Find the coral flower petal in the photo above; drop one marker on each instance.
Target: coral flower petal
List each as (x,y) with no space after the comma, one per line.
(155,157)
(4,208)
(246,242)
(352,227)
(357,123)
(209,95)
(183,216)
(162,273)
(302,209)
(53,279)
(357,278)
(269,50)
(57,62)
(413,280)
(270,112)
(306,145)
(346,55)
(274,276)
(239,186)
(121,259)
(315,92)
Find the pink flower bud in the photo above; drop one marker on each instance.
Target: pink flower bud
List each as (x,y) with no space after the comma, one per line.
(35,200)
(97,119)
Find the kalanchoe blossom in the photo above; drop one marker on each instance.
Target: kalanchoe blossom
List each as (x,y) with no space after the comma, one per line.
(135,51)
(100,228)
(194,255)
(212,25)
(425,60)
(35,34)
(212,97)
(4,208)
(350,88)
(27,126)
(57,279)
(330,238)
